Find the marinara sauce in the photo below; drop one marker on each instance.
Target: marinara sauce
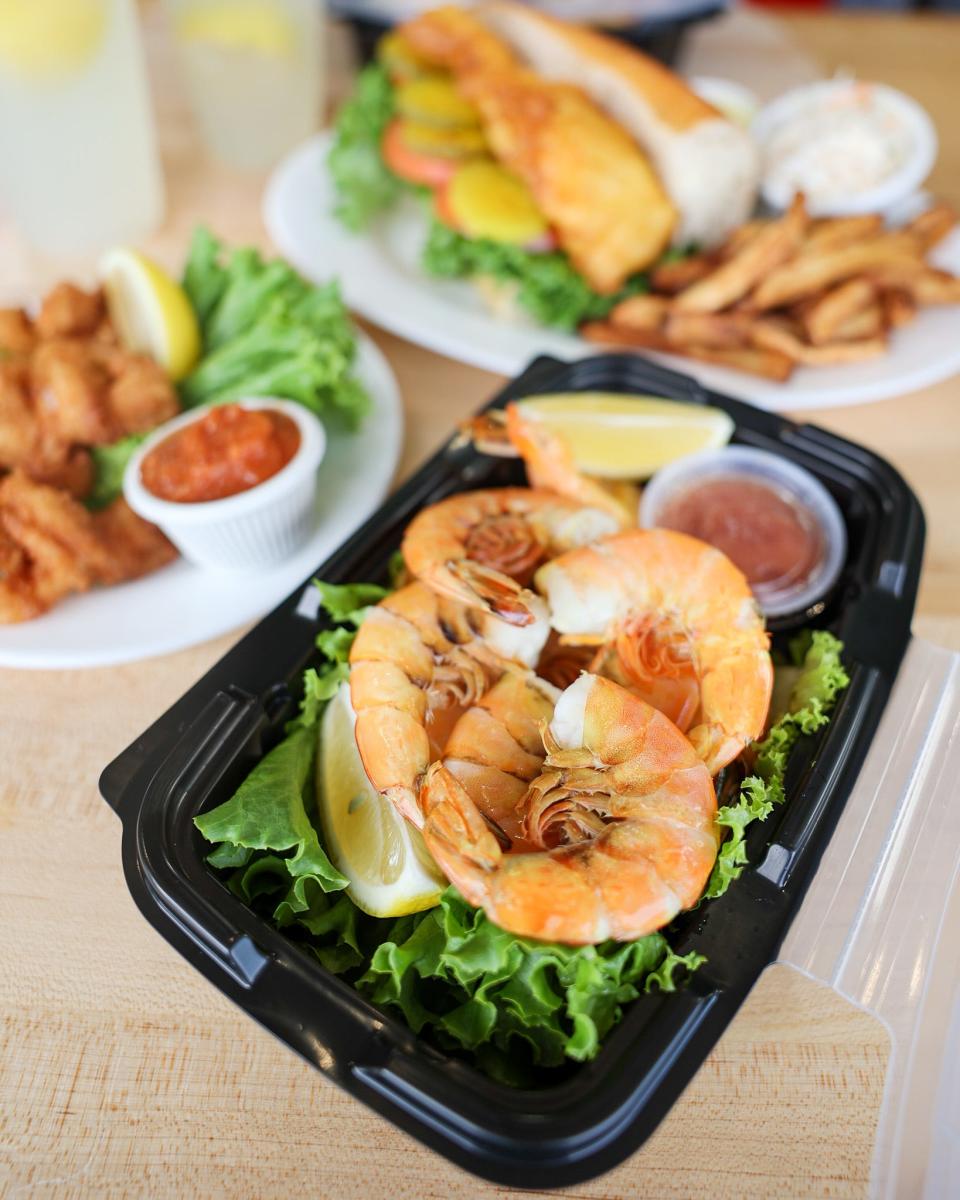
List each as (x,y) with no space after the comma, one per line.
(229,450)
(774,540)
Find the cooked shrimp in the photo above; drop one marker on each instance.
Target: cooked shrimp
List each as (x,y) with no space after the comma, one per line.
(677,624)
(624,815)
(416,655)
(495,748)
(474,546)
(549,461)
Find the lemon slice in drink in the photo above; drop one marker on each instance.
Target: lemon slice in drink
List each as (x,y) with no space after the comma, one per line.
(615,436)
(389,867)
(50,39)
(150,310)
(253,25)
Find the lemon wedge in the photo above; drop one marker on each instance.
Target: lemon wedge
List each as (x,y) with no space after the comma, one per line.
(614,436)
(48,39)
(389,867)
(150,310)
(257,25)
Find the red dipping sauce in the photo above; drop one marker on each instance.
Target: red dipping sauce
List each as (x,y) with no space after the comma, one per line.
(772,538)
(229,450)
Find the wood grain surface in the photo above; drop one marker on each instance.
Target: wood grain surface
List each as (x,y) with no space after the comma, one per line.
(123,1073)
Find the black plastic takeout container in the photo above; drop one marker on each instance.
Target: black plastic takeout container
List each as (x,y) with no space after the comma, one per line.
(196,754)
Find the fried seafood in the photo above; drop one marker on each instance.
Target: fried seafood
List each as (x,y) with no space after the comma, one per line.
(675,621)
(622,815)
(51,546)
(415,655)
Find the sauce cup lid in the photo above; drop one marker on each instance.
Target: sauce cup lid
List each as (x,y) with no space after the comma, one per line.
(793,481)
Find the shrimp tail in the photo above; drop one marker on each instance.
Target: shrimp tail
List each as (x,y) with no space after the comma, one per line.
(500,594)
(456,833)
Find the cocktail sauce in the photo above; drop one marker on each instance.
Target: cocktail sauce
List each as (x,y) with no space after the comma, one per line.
(767,533)
(229,450)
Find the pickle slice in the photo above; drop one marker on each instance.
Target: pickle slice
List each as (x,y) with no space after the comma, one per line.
(399,58)
(434,100)
(487,201)
(442,142)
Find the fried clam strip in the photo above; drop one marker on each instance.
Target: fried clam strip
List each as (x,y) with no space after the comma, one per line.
(772,245)
(51,546)
(768,363)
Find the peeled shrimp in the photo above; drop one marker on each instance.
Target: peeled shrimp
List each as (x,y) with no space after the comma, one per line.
(624,815)
(495,748)
(677,624)
(415,655)
(475,546)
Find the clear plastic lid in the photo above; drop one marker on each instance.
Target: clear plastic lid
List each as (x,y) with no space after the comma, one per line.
(880,924)
(811,501)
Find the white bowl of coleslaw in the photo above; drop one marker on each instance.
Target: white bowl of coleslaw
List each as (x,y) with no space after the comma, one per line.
(851,147)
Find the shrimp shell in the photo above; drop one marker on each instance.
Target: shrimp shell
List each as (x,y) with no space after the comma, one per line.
(678,613)
(466,546)
(624,812)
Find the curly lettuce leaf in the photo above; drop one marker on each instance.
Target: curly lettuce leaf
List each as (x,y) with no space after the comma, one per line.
(268,812)
(821,679)
(548,285)
(109,464)
(364,184)
(474,985)
(266,331)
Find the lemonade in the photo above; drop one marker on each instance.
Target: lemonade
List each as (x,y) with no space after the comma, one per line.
(253,70)
(78,161)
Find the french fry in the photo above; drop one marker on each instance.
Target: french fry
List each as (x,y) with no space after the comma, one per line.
(924,284)
(708,329)
(641,312)
(821,319)
(831,233)
(770,334)
(812,272)
(673,277)
(899,308)
(770,364)
(867,323)
(739,238)
(933,225)
(776,242)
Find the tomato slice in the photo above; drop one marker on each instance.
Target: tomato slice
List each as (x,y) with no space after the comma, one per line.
(429,170)
(443,210)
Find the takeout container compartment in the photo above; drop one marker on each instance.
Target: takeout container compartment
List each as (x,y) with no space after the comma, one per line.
(259,527)
(585,1120)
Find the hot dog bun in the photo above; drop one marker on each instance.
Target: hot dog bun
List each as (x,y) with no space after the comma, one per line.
(709,166)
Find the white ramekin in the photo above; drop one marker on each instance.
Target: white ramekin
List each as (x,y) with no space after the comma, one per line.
(256,528)
(891,191)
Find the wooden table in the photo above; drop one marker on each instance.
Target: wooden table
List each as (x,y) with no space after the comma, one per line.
(124,1073)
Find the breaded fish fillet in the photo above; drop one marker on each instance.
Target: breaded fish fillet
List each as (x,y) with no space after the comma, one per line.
(590,179)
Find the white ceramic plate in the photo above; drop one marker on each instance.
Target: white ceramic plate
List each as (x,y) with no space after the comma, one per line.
(382,280)
(181,604)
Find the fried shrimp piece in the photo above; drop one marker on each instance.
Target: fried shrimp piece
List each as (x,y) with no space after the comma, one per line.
(69,311)
(73,471)
(18,599)
(18,425)
(56,534)
(70,394)
(134,547)
(16,331)
(141,395)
